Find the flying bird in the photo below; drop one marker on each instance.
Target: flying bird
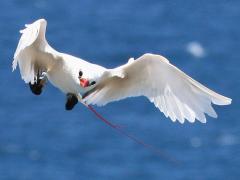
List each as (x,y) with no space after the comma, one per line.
(172,91)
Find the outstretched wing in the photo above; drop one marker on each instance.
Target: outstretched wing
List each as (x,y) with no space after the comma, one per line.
(27,55)
(23,54)
(176,94)
(29,35)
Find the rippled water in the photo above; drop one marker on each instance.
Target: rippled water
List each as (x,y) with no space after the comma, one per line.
(40,140)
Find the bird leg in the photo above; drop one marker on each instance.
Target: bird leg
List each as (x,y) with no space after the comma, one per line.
(72,100)
(37,86)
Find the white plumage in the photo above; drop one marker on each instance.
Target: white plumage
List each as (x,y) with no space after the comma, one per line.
(176,94)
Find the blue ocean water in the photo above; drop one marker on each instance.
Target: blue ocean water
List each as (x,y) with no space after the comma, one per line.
(40,140)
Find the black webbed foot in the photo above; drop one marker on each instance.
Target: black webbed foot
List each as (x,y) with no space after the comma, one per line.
(72,100)
(39,82)
(36,88)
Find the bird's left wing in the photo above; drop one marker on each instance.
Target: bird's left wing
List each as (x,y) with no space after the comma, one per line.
(176,94)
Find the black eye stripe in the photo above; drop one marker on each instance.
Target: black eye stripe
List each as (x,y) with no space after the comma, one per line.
(80,73)
(92,83)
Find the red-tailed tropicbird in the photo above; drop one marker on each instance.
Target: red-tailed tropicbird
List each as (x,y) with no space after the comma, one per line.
(176,94)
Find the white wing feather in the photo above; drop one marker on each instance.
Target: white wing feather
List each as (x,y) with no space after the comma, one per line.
(29,35)
(176,94)
(32,58)
(23,55)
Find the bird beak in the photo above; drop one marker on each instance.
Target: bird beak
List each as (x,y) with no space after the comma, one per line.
(84,82)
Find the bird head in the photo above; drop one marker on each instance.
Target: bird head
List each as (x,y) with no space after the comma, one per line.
(84,81)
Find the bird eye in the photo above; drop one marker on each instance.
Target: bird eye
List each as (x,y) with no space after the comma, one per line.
(92,83)
(80,73)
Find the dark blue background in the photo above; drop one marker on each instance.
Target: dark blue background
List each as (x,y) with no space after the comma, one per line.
(39,140)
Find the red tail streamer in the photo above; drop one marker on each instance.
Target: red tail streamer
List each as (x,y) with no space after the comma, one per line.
(148,146)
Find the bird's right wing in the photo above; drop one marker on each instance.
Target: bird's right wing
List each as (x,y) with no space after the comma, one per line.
(176,94)
(32,57)
(29,35)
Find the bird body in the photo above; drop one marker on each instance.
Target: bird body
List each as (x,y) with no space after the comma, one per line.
(173,92)
(34,54)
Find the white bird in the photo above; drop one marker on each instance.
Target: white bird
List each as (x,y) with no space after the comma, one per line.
(176,94)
